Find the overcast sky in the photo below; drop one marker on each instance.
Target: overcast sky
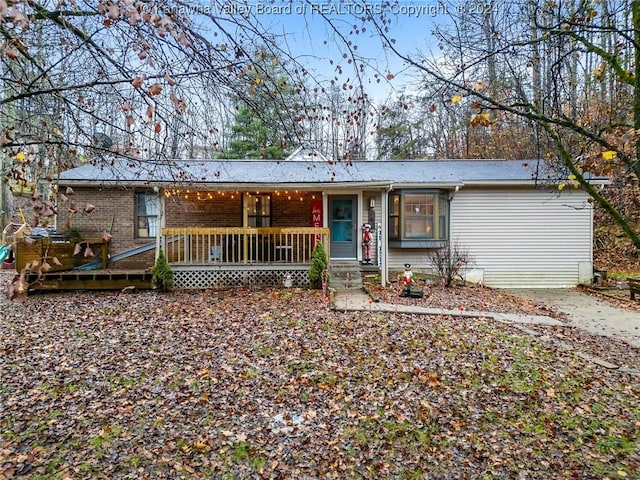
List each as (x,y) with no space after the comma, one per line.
(304,30)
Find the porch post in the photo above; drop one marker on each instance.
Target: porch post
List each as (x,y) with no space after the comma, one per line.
(384,213)
(325,222)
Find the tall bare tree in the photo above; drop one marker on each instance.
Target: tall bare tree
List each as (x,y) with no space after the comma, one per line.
(540,68)
(92,77)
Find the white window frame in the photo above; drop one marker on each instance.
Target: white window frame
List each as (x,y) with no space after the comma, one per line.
(150,216)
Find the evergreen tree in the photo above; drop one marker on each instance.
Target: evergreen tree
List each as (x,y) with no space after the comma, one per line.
(162,275)
(270,113)
(319,264)
(251,138)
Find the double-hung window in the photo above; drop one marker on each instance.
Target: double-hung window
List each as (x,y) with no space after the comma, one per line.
(418,218)
(146,215)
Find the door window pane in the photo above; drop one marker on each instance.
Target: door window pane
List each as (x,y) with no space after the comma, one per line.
(341,226)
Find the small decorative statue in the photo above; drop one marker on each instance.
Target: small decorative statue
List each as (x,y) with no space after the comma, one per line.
(366,243)
(408,279)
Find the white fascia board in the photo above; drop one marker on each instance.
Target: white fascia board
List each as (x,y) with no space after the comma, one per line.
(520,183)
(290,186)
(433,185)
(231,186)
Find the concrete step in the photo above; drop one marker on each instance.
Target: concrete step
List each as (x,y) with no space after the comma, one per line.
(345,277)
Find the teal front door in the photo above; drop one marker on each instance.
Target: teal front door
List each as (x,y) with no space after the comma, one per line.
(342,209)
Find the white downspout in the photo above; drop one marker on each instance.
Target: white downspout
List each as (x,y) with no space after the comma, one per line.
(160,220)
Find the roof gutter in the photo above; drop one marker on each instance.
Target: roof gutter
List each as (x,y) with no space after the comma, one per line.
(227,185)
(444,186)
(520,183)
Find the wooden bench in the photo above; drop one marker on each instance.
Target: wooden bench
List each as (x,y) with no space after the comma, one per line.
(634,286)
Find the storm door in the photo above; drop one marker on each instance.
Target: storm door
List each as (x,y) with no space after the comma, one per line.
(342,223)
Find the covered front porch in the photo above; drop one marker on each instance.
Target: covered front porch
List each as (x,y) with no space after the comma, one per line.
(258,237)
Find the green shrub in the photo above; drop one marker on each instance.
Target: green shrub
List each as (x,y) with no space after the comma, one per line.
(319,264)
(161,273)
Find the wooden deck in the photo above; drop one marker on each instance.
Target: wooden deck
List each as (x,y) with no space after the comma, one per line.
(90,280)
(199,257)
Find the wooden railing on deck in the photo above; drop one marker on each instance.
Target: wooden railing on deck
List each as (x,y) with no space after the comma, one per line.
(193,245)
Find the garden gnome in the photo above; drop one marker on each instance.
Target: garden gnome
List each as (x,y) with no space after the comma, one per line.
(407,279)
(366,243)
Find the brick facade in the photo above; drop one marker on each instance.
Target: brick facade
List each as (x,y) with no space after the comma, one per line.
(292,212)
(187,210)
(116,211)
(192,212)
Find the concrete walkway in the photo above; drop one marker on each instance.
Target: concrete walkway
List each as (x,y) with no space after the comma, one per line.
(353,300)
(583,311)
(588,312)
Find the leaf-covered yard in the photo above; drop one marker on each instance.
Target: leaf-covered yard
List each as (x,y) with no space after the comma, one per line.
(270,384)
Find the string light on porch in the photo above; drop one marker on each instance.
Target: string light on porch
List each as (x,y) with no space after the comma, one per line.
(212,195)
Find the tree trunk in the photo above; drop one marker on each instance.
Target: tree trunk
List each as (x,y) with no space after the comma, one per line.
(635,16)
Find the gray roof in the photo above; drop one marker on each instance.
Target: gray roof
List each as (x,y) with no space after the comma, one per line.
(226,173)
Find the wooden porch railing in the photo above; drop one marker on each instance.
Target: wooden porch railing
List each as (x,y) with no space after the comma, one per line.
(201,246)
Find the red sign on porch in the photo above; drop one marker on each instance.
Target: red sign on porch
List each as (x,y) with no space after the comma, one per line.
(316,218)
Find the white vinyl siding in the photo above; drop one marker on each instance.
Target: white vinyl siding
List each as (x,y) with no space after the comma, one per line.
(525,237)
